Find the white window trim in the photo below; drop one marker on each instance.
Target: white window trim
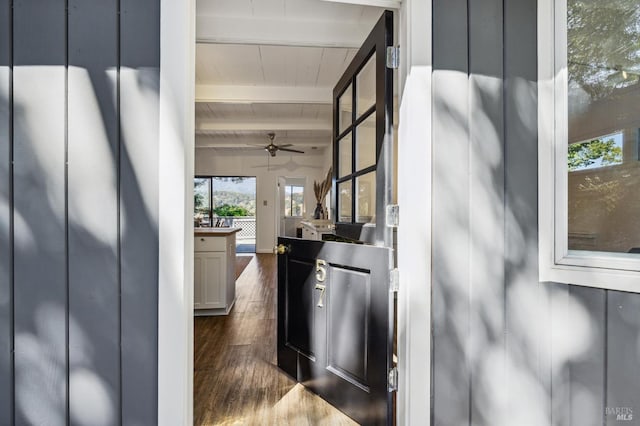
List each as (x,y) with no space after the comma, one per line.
(615,271)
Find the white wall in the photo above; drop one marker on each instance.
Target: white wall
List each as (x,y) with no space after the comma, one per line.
(228,162)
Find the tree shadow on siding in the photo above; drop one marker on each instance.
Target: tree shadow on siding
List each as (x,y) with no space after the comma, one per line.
(111,242)
(508,349)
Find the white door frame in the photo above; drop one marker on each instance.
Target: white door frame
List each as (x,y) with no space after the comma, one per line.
(414,232)
(175,221)
(177,150)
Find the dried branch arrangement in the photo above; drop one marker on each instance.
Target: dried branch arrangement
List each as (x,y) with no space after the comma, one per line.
(321,189)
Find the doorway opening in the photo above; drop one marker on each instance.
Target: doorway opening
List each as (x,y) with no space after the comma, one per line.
(251,83)
(292,206)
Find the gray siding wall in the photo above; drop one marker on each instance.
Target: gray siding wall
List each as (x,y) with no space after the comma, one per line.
(508,350)
(78,211)
(6,325)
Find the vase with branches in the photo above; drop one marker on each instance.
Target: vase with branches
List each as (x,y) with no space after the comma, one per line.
(321,189)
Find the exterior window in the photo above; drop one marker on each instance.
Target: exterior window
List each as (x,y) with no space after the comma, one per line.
(220,201)
(294,200)
(202,201)
(589,103)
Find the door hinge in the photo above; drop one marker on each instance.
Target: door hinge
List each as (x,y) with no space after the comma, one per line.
(394,279)
(393,379)
(393,216)
(393,57)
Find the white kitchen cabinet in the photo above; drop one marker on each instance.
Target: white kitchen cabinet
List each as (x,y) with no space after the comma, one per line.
(214,270)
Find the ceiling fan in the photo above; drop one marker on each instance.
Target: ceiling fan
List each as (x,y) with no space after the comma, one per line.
(273,148)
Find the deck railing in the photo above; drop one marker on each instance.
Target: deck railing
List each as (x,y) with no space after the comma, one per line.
(247,223)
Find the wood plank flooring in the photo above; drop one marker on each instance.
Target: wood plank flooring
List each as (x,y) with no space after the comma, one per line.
(236,381)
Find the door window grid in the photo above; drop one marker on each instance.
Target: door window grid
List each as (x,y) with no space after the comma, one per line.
(349,149)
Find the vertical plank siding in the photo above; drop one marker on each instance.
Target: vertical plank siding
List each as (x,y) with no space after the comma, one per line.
(6,332)
(78,211)
(139,112)
(40,278)
(451,225)
(587,373)
(486,215)
(527,310)
(622,363)
(508,349)
(93,147)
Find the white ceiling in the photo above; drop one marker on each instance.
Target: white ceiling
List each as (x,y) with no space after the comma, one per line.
(270,65)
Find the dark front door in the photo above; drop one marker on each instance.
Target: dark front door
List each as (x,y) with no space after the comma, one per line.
(335,310)
(334,322)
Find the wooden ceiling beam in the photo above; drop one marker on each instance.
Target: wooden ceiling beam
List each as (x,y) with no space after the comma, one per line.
(266,126)
(263,94)
(387,4)
(279,32)
(255,141)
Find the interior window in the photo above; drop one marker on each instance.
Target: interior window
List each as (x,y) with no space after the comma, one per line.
(294,200)
(202,201)
(221,201)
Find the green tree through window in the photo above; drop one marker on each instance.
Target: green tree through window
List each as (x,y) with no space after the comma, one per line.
(294,200)
(596,152)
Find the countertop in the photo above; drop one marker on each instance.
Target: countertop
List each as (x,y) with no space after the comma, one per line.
(214,232)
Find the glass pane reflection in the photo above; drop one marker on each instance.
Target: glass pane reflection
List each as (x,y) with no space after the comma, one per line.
(366,143)
(344,201)
(345,159)
(366,86)
(603,94)
(345,109)
(366,201)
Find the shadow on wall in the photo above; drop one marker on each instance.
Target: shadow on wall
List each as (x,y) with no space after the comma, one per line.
(509,350)
(112,233)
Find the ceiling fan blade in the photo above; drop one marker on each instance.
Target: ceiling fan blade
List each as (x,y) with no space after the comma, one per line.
(290,150)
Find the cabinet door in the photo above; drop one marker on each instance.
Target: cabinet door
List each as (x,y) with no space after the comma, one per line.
(213,279)
(198,296)
(308,234)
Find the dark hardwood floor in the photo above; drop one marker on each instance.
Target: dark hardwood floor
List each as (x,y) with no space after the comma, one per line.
(236,381)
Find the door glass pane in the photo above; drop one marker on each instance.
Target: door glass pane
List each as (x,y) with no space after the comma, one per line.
(201,201)
(287,200)
(344,201)
(366,201)
(345,149)
(345,108)
(366,143)
(293,200)
(603,64)
(366,86)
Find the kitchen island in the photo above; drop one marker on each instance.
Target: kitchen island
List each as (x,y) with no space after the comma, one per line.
(214,261)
